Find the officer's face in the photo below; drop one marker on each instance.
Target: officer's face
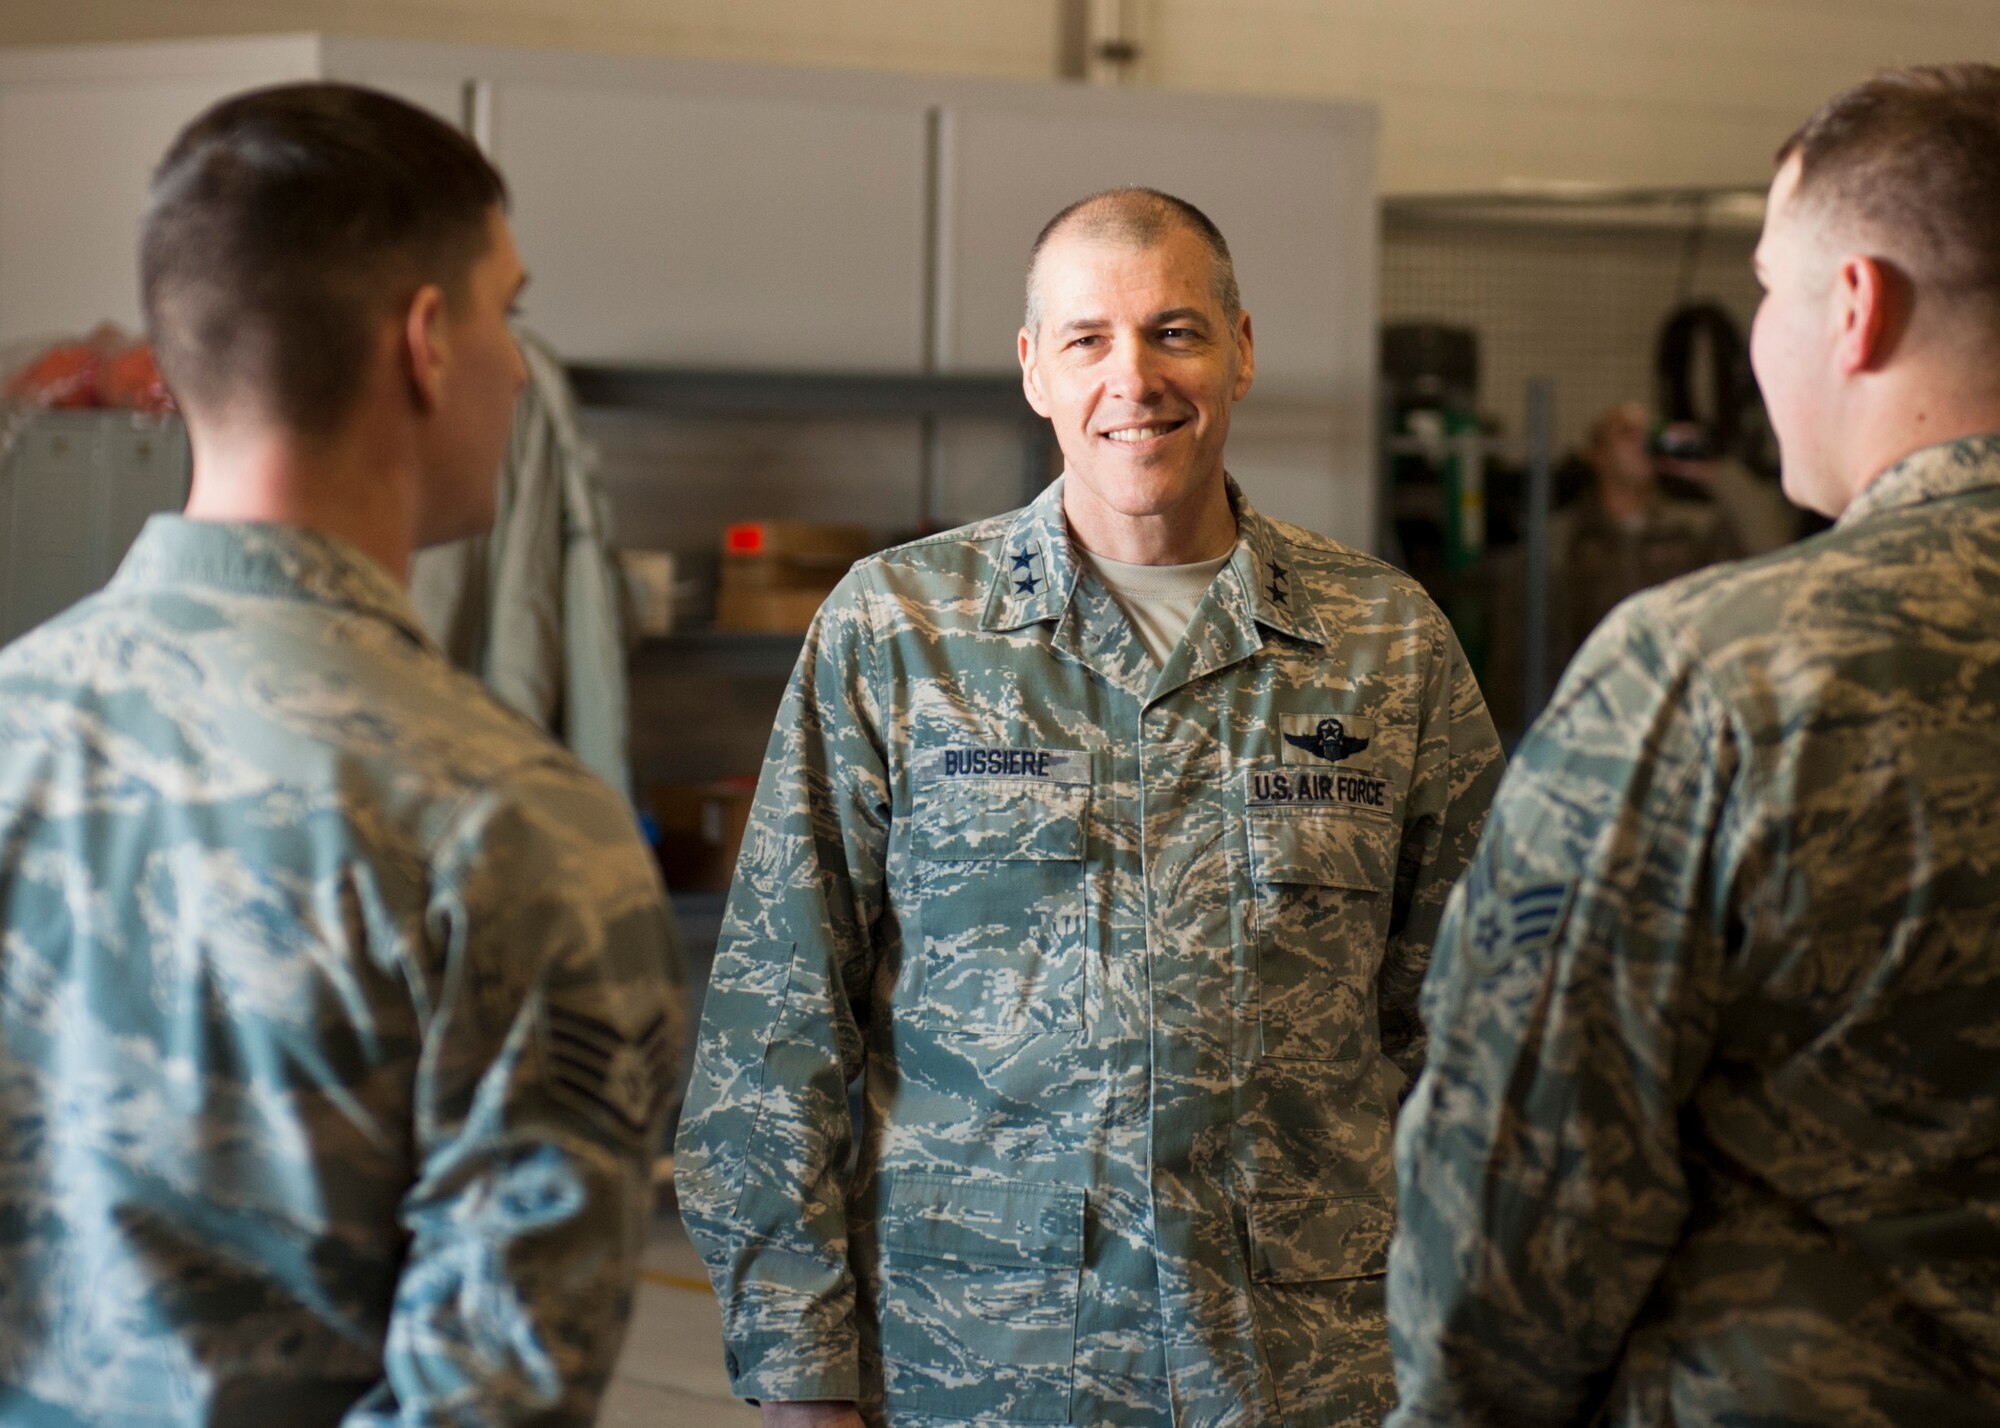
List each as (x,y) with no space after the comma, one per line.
(1136,367)
(1791,346)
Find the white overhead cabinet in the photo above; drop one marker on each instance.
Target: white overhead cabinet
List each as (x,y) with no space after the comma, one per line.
(718,230)
(675,213)
(1291,186)
(716,216)
(81,129)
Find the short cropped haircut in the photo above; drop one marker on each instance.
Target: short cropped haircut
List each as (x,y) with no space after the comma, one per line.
(1139,218)
(1912,157)
(284,225)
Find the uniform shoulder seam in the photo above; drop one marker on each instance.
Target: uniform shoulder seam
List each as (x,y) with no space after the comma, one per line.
(974,533)
(1299,538)
(867,602)
(495,782)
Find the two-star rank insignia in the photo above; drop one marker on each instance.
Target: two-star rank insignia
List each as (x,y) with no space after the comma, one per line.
(1278,590)
(1024,559)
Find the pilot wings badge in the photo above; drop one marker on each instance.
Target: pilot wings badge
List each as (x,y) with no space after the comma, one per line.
(1331,739)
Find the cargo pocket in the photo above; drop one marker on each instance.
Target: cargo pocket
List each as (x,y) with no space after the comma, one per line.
(1317,1267)
(1322,882)
(979,1297)
(999,907)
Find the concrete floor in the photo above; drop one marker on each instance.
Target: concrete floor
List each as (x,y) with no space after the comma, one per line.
(670,1375)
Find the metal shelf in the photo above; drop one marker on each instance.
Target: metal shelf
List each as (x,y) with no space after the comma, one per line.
(725,652)
(685,391)
(923,397)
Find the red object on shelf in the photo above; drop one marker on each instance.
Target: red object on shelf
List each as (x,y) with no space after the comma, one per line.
(131,379)
(64,376)
(746,538)
(105,369)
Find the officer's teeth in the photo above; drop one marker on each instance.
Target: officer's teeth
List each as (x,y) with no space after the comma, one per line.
(1137,433)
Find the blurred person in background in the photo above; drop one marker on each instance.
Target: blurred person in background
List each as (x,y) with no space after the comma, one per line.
(1629,529)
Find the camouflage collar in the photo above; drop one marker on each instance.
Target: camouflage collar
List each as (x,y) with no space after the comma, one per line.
(1036,570)
(1950,468)
(1264,563)
(1035,566)
(279,561)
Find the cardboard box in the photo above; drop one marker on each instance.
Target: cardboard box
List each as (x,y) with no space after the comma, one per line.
(775,612)
(799,541)
(701,831)
(779,572)
(786,556)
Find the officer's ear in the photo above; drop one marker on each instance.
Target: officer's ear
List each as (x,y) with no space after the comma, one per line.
(422,346)
(1031,372)
(1246,347)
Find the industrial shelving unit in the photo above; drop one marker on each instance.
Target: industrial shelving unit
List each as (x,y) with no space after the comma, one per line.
(741,673)
(925,397)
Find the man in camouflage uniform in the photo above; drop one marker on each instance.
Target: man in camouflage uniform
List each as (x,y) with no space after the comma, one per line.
(1122,947)
(1710,1129)
(336,1017)
(1626,531)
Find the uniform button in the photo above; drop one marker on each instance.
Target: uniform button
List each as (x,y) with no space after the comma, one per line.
(729,1362)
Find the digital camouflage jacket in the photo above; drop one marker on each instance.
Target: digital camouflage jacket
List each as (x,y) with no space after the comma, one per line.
(1710,1131)
(1123,960)
(338,1013)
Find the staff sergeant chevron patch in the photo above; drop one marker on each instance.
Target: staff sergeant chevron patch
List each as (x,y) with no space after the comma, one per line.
(620,1081)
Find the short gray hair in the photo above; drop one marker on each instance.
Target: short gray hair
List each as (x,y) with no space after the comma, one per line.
(1139,217)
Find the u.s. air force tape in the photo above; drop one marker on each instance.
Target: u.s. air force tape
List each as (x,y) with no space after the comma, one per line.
(1047,765)
(1336,788)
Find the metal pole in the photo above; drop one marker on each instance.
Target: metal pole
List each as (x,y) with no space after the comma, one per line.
(930,442)
(1073,39)
(1535,672)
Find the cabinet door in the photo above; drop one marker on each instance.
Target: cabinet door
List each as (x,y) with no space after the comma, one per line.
(80,137)
(75,489)
(718,231)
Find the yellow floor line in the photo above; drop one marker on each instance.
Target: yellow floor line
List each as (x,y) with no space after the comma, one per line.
(675,1281)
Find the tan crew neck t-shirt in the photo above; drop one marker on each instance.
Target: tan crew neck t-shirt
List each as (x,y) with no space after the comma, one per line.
(1159,600)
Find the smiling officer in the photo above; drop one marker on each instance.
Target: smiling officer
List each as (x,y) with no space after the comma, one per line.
(1102,843)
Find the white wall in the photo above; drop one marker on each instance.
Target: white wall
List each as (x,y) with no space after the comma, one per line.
(1474,93)
(1004,38)
(1579,304)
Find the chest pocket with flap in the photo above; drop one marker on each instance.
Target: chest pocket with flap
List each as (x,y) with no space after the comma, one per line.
(1322,880)
(999,909)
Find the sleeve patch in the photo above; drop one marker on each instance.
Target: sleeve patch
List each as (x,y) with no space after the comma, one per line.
(1514,925)
(608,1075)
